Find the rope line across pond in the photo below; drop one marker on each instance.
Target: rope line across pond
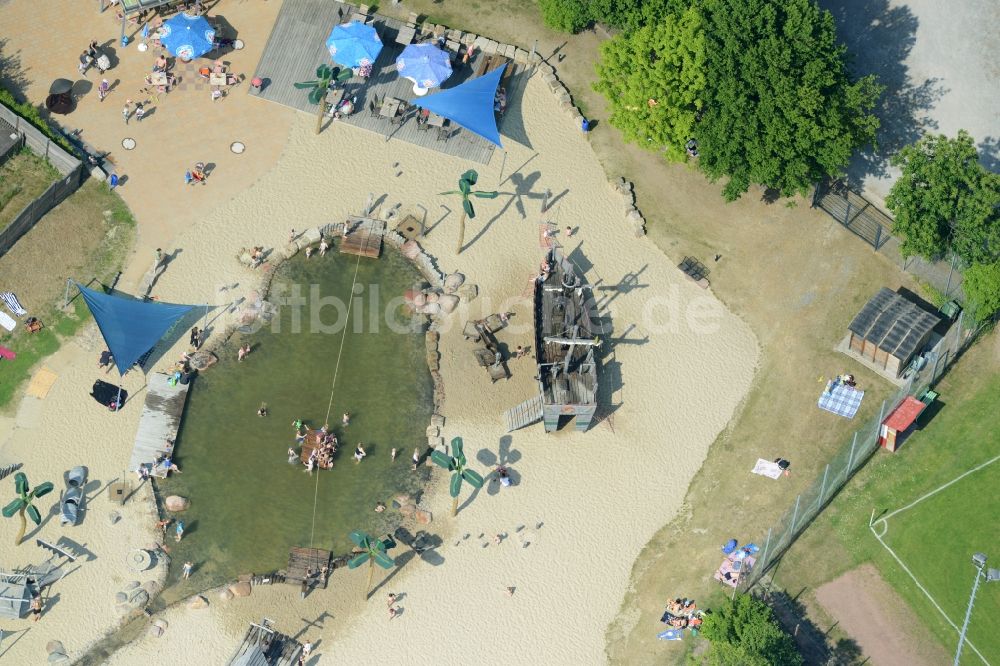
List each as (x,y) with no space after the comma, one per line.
(333,388)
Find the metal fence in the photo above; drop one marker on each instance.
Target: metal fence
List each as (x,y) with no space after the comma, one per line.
(70,167)
(851,457)
(853,211)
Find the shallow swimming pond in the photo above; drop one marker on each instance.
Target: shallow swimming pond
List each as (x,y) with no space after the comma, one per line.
(249,505)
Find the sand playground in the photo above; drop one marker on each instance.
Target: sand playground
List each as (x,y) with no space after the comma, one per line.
(585,503)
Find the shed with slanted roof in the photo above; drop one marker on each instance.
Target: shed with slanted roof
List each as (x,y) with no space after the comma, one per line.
(890,330)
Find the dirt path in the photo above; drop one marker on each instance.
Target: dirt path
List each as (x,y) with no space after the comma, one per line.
(871,612)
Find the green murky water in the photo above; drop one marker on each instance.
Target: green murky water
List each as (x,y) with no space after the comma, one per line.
(248,504)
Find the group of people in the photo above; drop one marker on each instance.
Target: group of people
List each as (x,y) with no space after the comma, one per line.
(682,614)
(94,56)
(324,446)
(323,248)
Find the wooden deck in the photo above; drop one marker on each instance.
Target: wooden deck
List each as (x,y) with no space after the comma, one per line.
(312,559)
(160,420)
(264,646)
(362,236)
(297,46)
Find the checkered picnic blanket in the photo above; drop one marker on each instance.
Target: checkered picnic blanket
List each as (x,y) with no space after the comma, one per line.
(842,400)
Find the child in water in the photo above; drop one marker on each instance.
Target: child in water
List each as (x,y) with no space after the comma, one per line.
(262,410)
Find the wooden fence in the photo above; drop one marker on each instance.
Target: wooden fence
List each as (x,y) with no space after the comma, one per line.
(69,166)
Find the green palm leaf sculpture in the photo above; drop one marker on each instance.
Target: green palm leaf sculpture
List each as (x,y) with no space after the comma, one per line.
(457,465)
(373,552)
(325,75)
(465,183)
(24,503)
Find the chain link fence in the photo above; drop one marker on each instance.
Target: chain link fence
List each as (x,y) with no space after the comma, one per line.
(852,456)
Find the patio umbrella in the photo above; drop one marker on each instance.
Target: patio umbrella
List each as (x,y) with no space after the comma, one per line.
(187,37)
(424,64)
(354,44)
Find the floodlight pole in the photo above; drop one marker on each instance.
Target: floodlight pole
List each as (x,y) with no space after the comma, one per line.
(968,613)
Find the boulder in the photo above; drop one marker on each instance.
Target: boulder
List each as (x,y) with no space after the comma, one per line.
(58,658)
(437,420)
(242,589)
(152,587)
(176,503)
(407,510)
(432,297)
(419,300)
(139,598)
(203,360)
(431,339)
(410,249)
(131,585)
(198,602)
(402,499)
(423,517)
(161,623)
(120,597)
(435,442)
(54,646)
(448,303)
(453,282)
(468,292)
(433,360)
(114,517)
(310,235)
(433,431)
(225,594)
(431,309)
(154,631)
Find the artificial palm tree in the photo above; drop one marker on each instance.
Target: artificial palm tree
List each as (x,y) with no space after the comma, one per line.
(465,183)
(325,75)
(24,503)
(456,464)
(373,552)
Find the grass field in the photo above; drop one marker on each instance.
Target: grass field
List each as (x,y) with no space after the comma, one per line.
(102,230)
(22,178)
(935,538)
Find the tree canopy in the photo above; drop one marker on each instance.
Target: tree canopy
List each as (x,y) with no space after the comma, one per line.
(760,84)
(944,195)
(566,15)
(654,80)
(744,631)
(781,110)
(982,289)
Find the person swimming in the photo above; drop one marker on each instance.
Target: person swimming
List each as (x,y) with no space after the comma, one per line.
(262,410)
(346,419)
(359,453)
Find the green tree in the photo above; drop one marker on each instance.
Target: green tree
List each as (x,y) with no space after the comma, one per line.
(372,552)
(456,464)
(566,15)
(654,79)
(744,631)
(25,503)
(465,183)
(982,289)
(945,196)
(780,110)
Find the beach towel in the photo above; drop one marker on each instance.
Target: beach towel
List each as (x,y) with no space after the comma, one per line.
(842,400)
(14,305)
(767,468)
(671,635)
(7,354)
(6,321)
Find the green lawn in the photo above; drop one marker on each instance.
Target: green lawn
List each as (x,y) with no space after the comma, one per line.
(937,537)
(936,540)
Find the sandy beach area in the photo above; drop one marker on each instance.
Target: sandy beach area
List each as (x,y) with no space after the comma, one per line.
(588,502)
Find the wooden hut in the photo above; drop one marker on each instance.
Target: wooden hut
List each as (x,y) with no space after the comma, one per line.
(889,331)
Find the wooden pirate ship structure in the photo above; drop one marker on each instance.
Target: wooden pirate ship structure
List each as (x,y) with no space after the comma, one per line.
(565,348)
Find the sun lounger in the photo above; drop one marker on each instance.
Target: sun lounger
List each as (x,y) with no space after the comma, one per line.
(71,501)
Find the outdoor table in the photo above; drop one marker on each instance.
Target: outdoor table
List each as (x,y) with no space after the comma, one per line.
(390,108)
(217,79)
(406,35)
(434,120)
(159,78)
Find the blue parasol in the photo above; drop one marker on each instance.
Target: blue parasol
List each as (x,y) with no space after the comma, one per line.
(187,37)
(424,64)
(354,44)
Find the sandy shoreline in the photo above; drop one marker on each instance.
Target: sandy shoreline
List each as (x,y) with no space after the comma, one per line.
(680,366)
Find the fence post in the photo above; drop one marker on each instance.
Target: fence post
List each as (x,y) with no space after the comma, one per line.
(850,458)
(878,235)
(767,546)
(795,514)
(822,489)
(847,214)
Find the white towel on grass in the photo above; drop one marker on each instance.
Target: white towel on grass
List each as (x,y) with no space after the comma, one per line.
(767,468)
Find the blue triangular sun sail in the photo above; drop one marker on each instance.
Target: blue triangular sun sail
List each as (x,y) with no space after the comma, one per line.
(130,327)
(469,104)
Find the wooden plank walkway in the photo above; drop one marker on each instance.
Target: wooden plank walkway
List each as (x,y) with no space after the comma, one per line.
(528,412)
(159,422)
(313,560)
(264,646)
(297,45)
(362,236)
